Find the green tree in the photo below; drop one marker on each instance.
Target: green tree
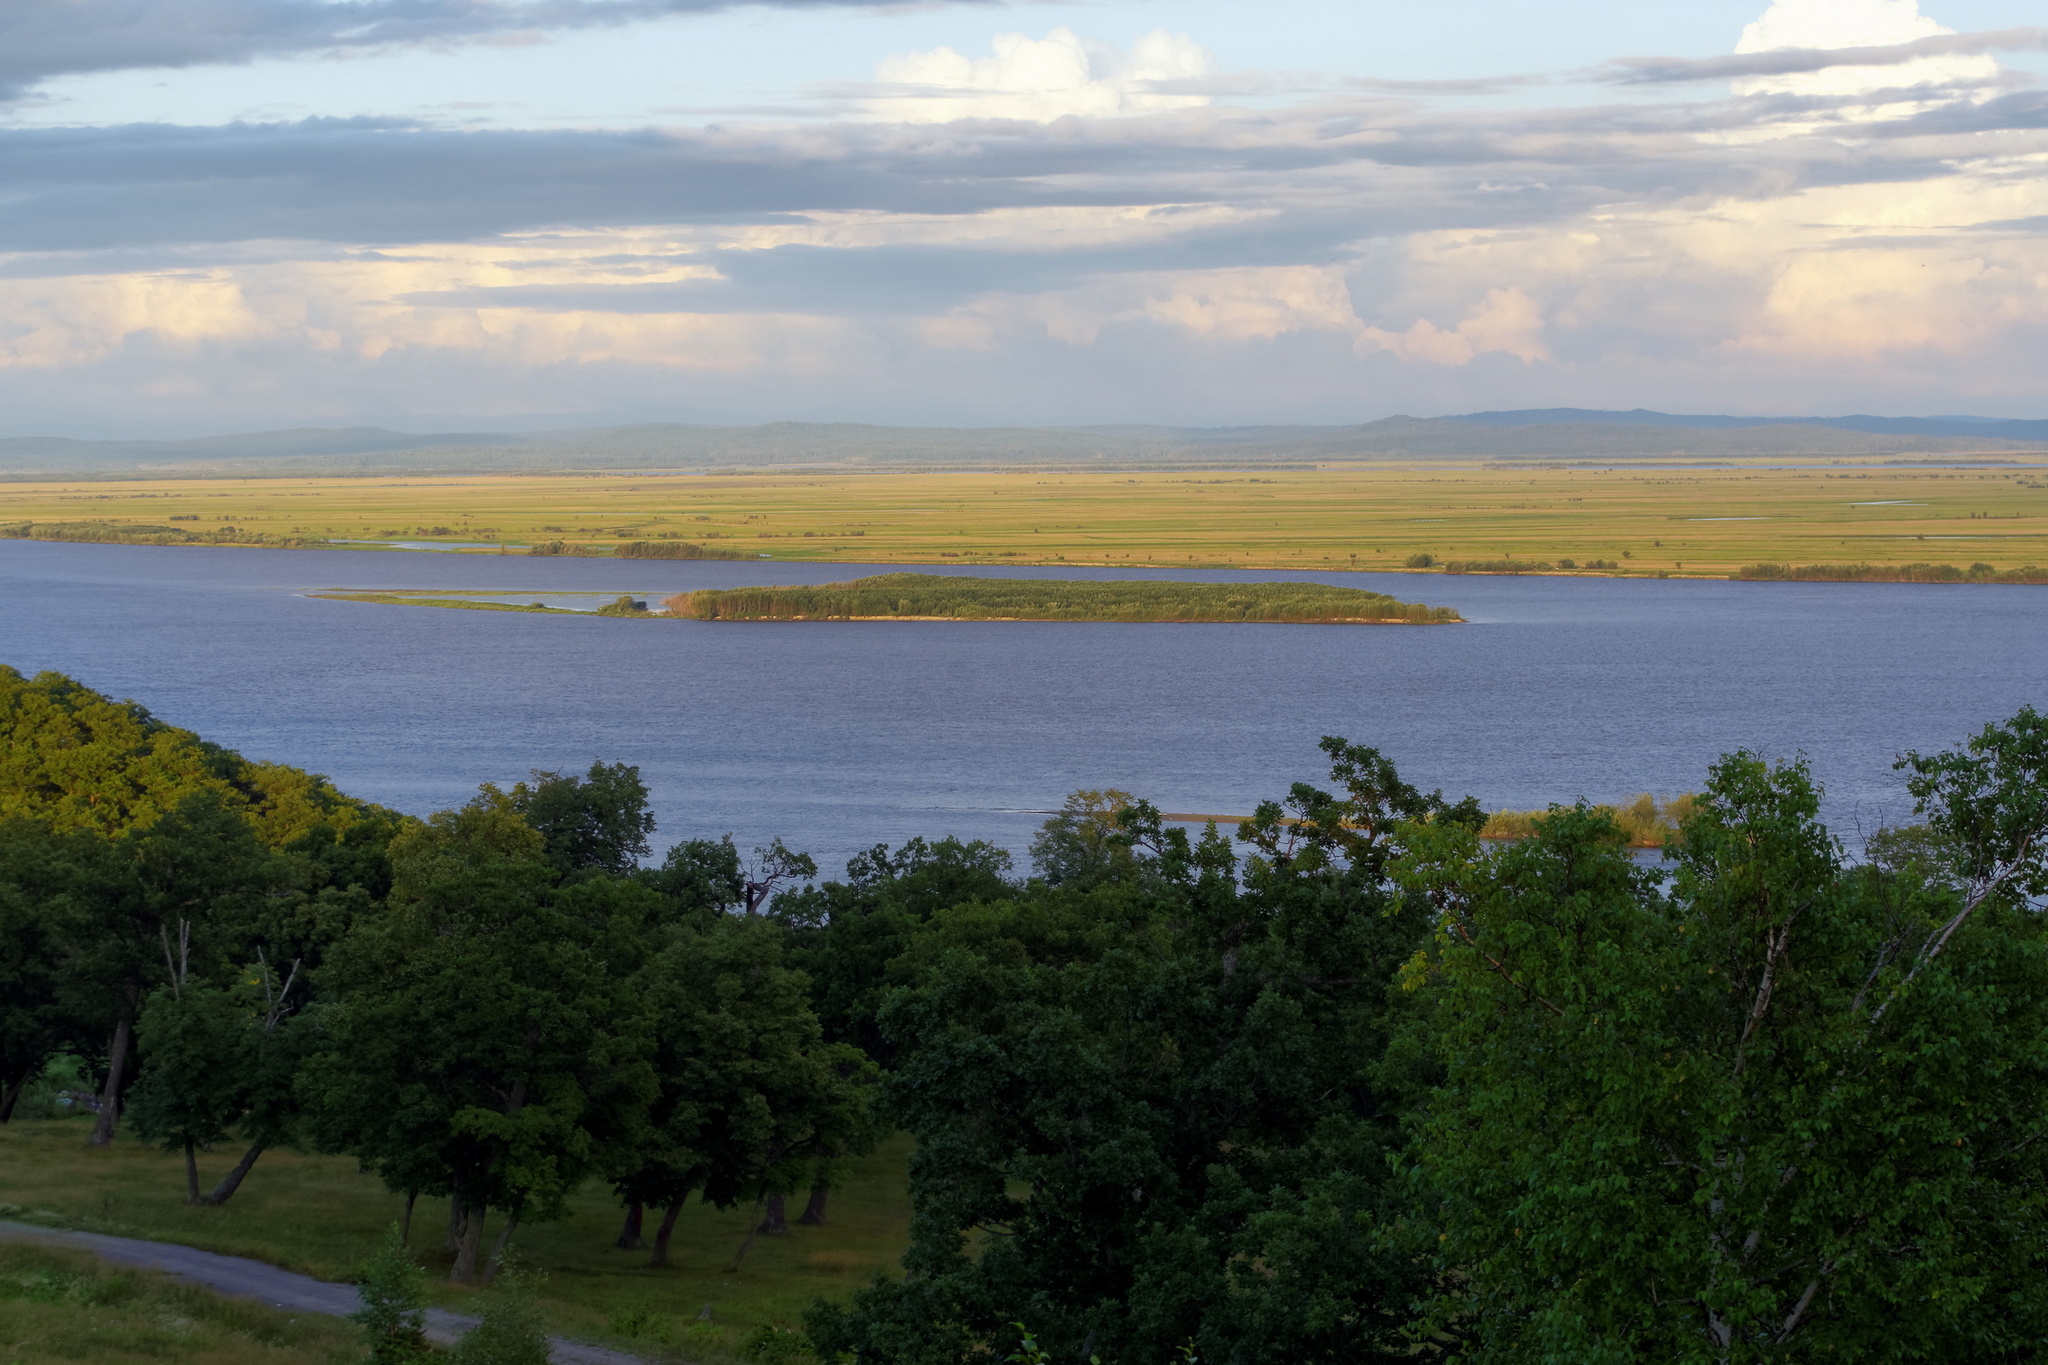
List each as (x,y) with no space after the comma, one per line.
(1145,1102)
(39,880)
(1783,1111)
(599,821)
(479,1044)
(749,1090)
(219,1063)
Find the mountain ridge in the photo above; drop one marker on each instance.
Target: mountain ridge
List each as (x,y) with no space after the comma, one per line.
(1541,433)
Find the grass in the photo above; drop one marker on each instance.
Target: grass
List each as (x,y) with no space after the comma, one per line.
(404,599)
(320,1216)
(63,1306)
(920,597)
(1673,520)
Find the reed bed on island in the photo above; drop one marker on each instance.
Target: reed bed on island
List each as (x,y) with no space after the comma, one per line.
(909,596)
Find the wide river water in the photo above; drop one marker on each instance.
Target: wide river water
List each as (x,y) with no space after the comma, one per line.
(837,736)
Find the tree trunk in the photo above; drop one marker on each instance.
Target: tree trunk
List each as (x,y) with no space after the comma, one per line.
(454,1223)
(629,1235)
(191,1172)
(117,1062)
(776,1224)
(232,1181)
(662,1233)
(497,1261)
(10,1095)
(464,1269)
(814,1211)
(405,1228)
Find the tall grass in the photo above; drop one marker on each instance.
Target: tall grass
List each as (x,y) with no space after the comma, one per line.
(935,596)
(1890,573)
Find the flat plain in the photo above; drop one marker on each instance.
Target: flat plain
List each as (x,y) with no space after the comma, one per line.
(1678,520)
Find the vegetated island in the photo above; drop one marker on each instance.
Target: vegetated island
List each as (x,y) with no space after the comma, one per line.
(624,605)
(939,597)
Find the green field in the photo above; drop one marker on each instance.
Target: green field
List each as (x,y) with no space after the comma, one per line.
(1674,520)
(320,1216)
(66,1306)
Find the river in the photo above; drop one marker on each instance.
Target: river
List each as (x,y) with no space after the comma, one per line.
(838,736)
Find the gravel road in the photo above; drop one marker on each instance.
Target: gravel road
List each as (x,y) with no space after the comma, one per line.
(246,1279)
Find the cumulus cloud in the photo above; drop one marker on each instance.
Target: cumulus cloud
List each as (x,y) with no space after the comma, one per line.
(1830,24)
(1506,321)
(1040,79)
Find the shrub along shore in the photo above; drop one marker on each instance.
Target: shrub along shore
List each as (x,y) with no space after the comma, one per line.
(913,596)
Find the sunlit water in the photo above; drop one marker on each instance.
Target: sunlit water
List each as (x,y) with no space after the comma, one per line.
(836,736)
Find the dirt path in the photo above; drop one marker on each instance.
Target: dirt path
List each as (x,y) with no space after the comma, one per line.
(246,1279)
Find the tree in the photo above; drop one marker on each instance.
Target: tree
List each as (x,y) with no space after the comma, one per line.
(1784,1111)
(38,883)
(219,1063)
(749,1090)
(479,1044)
(1146,1107)
(1079,844)
(598,822)
(844,936)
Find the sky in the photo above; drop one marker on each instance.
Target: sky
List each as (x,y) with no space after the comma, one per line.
(222,215)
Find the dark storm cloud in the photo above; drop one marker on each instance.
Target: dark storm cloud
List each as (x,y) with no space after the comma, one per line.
(44,38)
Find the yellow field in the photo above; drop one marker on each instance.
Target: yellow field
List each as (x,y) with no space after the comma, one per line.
(1677,521)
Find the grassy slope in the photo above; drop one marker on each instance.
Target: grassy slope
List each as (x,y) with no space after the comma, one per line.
(320,1216)
(1339,518)
(58,1305)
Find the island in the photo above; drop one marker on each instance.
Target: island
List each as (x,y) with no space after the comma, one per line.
(941,597)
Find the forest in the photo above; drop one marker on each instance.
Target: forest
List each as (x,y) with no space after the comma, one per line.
(1346,1083)
(916,596)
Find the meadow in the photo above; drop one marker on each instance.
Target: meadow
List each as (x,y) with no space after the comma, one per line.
(1676,520)
(62,1306)
(320,1216)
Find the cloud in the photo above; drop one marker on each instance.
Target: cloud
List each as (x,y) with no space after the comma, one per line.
(1063,231)
(1506,321)
(1824,24)
(1791,60)
(1041,79)
(40,39)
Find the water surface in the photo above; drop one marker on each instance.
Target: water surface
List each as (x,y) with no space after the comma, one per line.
(839,735)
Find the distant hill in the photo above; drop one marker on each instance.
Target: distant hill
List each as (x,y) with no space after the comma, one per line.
(1549,433)
(1965,428)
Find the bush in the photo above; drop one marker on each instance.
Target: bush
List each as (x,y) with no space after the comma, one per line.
(776,1345)
(1420,561)
(624,606)
(508,1331)
(393,1315)
(679,549)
